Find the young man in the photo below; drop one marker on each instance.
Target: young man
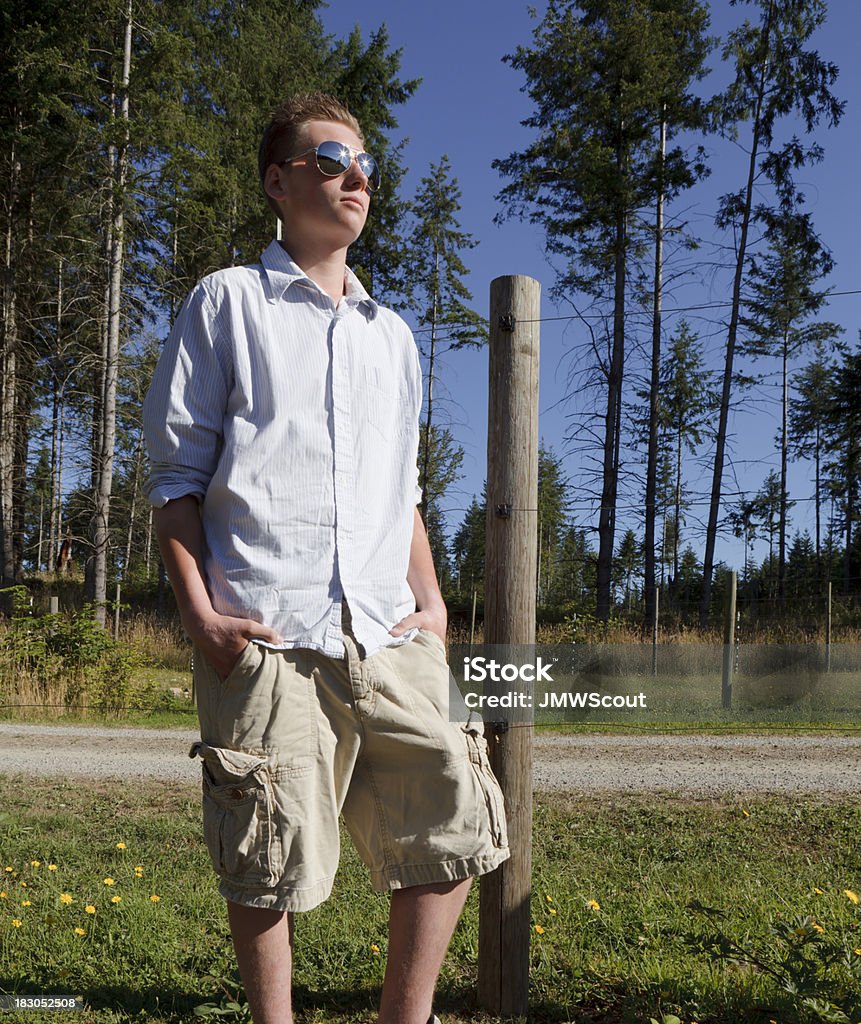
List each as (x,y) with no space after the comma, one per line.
(282,426)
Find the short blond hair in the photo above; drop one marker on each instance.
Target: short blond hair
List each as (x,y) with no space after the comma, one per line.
(280,134)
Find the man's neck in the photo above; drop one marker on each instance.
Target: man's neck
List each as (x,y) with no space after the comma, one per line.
(326,269)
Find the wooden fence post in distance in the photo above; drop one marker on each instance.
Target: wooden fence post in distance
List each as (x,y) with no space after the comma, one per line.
(509,618)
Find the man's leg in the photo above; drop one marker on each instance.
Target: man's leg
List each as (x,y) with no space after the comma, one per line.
(422,920)
(263,940)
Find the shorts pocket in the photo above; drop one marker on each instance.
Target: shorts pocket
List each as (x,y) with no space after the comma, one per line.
(238,810)
(249,658)
(431,638)
(480,761)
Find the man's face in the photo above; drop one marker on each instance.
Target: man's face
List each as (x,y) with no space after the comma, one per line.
(325,213)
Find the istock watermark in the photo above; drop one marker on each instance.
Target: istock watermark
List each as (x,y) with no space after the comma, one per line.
(524,684)
(636,684)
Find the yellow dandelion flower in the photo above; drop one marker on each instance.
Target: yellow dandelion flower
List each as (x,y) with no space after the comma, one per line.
(66,898)
(23,885)
(35,863)
(52,867)
(553,911)
(549,899)
(9,870)
(116,899)
(819,892)
(89,909)
(593,904)
(851,895)
(80,931)
(26,903)
(818,928)
(121,846)
(16,922)
(2,895)
(109,881)
(154,898)
(857,952)
(138,870)
(539,929)
(375,949)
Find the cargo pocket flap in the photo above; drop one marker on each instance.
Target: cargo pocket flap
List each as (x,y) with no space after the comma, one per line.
(228,765)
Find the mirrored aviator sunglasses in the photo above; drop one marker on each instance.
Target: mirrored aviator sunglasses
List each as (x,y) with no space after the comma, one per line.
(334,158)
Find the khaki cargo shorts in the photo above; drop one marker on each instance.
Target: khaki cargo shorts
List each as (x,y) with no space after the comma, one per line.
(293,738)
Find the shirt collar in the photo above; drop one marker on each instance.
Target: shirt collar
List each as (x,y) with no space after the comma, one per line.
(282,272)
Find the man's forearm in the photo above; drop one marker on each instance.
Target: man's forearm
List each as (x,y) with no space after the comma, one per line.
(221,638)
(180,537)
(421,575)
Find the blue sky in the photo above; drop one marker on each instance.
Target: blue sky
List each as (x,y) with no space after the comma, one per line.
(470,106)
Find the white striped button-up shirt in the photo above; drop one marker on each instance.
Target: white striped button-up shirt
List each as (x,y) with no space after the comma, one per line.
(295,423)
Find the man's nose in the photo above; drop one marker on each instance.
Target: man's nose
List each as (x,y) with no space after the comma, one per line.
(356,176)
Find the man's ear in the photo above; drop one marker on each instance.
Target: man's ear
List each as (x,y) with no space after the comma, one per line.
(272,183)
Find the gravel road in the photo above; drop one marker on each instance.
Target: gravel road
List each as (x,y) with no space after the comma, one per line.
(703,765)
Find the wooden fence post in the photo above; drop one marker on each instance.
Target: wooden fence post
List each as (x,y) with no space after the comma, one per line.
(655,620)
(828,628)
(729,642)
(509,618)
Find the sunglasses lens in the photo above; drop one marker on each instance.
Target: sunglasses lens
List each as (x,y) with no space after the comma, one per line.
(371,169)
(333,158)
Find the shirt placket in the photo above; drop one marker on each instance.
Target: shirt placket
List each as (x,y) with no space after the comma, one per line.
(344,472)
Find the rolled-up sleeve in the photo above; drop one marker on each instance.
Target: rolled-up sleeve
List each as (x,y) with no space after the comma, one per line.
(184,408)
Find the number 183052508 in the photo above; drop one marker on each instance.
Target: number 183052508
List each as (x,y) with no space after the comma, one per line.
(41,1003)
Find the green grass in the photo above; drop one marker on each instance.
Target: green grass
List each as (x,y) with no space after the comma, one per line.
(640,953)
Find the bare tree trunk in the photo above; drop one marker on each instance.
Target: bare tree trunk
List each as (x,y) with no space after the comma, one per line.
(818,503)
(9,376)
(429,413)
(101,535)
(133,508)
(148,548)
(677,504)
(54,514)
(654,386)
(732,334)
(784,458)
(612,422)
(100,371)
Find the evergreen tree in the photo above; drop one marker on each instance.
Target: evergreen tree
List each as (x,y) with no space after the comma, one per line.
(843,447)
(784,298)
(808,419)
(575,575)
(552,521)
(603,76)
(437,294)
(443,469)
(468,548)
(684,406)
(629,563)
(774,77)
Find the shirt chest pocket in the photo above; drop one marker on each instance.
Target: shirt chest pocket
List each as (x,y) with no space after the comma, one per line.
(383,403)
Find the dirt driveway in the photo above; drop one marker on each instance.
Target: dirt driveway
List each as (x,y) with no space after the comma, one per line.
(822,765)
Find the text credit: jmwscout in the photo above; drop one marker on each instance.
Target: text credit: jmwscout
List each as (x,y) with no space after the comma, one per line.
(638,684)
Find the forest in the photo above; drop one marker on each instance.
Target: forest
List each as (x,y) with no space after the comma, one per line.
(128,151)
